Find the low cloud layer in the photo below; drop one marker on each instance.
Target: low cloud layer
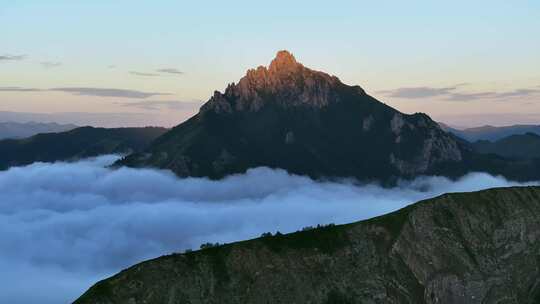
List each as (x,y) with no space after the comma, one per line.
(65,225)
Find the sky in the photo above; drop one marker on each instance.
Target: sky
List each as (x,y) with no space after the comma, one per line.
(466,63)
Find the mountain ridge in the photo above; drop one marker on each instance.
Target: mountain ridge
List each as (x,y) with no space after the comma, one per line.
(516,146)
(477,247)
(16,130)
(491,133)
(78,143)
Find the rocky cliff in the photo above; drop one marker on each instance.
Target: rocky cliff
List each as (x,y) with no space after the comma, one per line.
(286,81)
(480,247)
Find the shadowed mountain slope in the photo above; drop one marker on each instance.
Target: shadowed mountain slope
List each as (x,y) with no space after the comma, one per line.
(75,144)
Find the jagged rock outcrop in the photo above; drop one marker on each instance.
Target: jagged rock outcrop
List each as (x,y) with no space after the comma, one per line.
(479,247)
(306,122)
(286,81)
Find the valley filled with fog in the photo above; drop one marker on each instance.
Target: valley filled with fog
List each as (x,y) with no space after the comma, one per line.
(81,222)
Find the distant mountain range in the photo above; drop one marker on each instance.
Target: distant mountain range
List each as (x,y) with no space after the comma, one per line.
(75,144)
(310,123)
(525,146)
(21,130)
(106,120)
(479,247)
(491,133)
(515,142)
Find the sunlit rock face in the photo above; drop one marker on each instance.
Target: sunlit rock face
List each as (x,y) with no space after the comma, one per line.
(285,82)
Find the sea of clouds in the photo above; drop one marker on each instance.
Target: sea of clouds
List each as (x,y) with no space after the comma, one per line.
(63,226)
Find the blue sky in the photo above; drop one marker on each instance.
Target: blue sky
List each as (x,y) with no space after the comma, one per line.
(475,47)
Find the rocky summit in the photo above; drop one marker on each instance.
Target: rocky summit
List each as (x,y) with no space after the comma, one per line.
(286,81)
(479,247)
(307,122)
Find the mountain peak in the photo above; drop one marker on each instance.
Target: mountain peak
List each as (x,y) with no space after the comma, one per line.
(284,61)
(285,82)
(285,55)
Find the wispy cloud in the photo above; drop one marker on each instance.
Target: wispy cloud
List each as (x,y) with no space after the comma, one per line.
(143,74)
(518,93)
(50,64)
(18,89)
(84,91)
(12,57)
(493,95)
(160,72)
(155,105)
(170,71)
(108,92)
(469,96)
(454,93)
(417,92)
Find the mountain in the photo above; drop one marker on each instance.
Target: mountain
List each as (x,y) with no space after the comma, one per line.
(524,146)
(477,247)
(75,144)
(306,122)
(310,123)
(21,130)
(491,133)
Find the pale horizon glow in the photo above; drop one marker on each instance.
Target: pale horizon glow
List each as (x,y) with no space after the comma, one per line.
(466,64)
